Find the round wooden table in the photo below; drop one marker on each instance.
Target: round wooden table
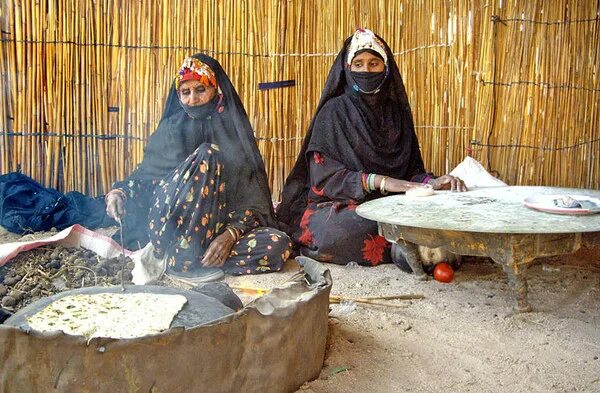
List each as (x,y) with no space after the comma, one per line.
(491,222)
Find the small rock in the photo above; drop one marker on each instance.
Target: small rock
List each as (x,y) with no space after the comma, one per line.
(60,284)
(55,253)
(10,281)
(3,290)
(55,264)
(71,259)
(8,301)
(16,294)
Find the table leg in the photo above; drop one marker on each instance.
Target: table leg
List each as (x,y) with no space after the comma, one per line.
(518,284)
(410,253)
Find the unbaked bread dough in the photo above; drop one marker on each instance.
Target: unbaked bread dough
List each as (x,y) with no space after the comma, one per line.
(114,315)
(420,191)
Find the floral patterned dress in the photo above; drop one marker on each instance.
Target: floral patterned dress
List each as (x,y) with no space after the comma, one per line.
(187,210)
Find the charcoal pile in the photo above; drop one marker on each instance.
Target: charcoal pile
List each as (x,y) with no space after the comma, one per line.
(47,270)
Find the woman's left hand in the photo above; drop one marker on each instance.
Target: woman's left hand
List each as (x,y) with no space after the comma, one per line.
(448,182)
(218,250)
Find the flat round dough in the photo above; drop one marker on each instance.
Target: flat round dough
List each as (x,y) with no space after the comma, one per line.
(115,315)
(420,191)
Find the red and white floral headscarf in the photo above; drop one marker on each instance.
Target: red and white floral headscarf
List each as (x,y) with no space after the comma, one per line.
(194,69)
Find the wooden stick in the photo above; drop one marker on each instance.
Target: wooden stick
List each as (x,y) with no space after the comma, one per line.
(375,303)
(390,297)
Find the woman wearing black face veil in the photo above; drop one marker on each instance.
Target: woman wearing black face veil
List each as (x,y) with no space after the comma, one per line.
(200,195)
(360,145)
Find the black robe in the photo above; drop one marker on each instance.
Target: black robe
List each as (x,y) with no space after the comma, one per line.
(177,136)
(366,134)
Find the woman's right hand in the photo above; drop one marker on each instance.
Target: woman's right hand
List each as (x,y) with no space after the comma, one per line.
(115,204)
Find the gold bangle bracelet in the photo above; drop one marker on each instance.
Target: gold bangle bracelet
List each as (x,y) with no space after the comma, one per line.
(233,233)
(382,185)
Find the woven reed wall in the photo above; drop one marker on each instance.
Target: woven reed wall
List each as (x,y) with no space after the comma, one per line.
(84,82)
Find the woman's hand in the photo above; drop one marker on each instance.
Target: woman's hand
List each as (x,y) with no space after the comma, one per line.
(448,182)
(115,204)
(397,185)
(218,250)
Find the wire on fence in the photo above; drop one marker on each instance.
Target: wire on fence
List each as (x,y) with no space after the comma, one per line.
(517,145)
(203,50)
(539,84)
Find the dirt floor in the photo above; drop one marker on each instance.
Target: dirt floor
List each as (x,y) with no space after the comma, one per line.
(462,336)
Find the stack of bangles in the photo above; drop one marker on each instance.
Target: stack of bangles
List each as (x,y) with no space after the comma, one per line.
(116,191)
(368,182)
(234,232)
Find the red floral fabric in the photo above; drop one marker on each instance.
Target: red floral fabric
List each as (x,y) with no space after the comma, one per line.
(373,249)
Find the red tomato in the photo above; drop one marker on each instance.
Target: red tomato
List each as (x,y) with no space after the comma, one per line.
(443,272)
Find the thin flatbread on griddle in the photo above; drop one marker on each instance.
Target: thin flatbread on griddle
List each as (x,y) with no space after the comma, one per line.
(114,315)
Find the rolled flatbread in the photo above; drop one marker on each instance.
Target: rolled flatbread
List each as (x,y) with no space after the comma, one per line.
(420,191)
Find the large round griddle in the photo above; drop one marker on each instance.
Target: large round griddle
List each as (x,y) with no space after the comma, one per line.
(200,309)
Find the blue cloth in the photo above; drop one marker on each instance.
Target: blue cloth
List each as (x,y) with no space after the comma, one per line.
(27,206)
(4,315)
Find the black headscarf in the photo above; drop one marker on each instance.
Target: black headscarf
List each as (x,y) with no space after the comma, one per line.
(374,134)
(227,125)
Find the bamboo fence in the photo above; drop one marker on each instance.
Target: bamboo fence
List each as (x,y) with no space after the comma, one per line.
(514,84)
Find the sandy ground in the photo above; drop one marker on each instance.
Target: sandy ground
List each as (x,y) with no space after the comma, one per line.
(462,336)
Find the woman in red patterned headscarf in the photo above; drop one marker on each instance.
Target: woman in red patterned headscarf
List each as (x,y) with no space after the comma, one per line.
(200,197)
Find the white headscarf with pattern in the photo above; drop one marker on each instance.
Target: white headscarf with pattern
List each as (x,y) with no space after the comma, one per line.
(365,39)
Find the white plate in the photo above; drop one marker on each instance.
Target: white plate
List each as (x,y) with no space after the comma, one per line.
(546,204)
